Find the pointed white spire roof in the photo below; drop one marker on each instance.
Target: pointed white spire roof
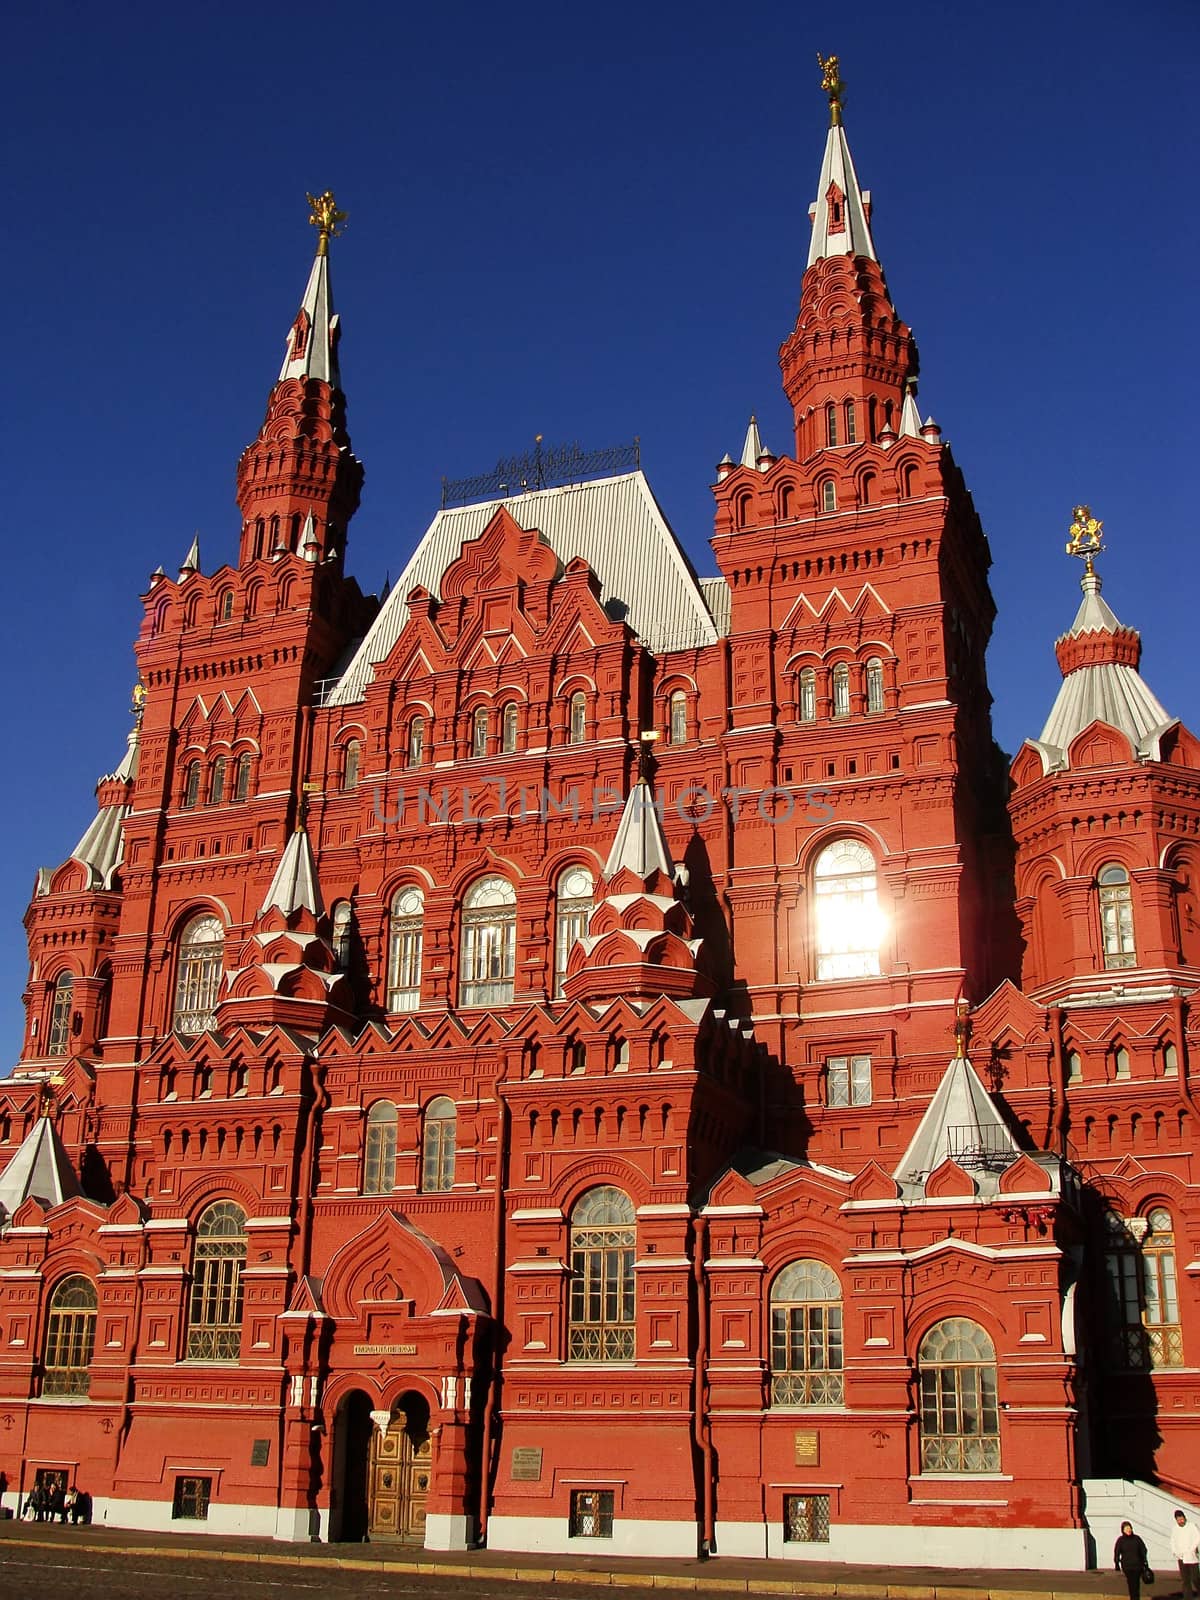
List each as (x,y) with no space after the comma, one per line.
(41,1167)
(849,235)
(312,340)
(103,843)
(753,447)
(191,561)
(910,417)
(294,886)
(962,1123)
(640,844)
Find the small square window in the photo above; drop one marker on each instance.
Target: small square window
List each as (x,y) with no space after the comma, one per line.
(848,1081)
(191,1499)
(806,1519)
(592,1514)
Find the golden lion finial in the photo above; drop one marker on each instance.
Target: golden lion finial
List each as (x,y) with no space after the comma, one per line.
(1086,539)
(833,86)
(326,218)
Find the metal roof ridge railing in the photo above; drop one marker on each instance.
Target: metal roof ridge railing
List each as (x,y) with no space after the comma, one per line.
(543,467)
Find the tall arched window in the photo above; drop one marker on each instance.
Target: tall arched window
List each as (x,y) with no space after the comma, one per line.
(59,1038)
(489,943)
(851,423)
(829,495)
(960,1419)
(831,424)
(479,732)
(1116,917)
(215,1319)
(191,785)
(678,718)
(508,728)
(874,684)
(806,1336)
(406,935)
(603,1236)
(70,1337)
(848,925)
(416,741)
(841,690)
(216,789)
(808,695)
(1143,1291)
(198,976)
(578,724)
(572,908)
(437,1146)
(242,792)
(351,762)
(343,933)
(379,1149)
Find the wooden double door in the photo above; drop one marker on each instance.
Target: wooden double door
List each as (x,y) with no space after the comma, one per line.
(398,1474)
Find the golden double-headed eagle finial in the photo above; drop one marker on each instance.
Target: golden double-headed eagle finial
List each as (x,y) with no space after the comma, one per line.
(1087,537)
(833,86)
(326,218)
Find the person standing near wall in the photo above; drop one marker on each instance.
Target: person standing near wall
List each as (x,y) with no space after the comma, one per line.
(1129,1557)
(1185,1547)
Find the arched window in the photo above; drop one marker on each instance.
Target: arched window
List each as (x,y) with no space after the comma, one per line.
(960,1419)
(851,423)
(343,930)
(572,908)
(216,789)
(808,695)
(489,943)
(678,731)
(215,1320)
(379,1152)
(59,1039)
(1116,917)
(831,424)
(198,976)
(479,732)
(874,684)
(1143,1291)
(416,741)
(841,690)
(742,509)
(848,926)
(406,936)
(867,489)
(437,1148)
(603,1236)
(242,792)
(508,728)
(806,1336)
(70,1337)
(829,495)
(578,725)
(351,762)
(191,785)
(227,605)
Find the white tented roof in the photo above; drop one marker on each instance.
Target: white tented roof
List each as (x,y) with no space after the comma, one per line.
(854,236)
(615,524)
(40,1167)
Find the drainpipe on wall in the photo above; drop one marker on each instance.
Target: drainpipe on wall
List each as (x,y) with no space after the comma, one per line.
(493,1399)
(1058,1085)
(701,1428)
(1185,1087)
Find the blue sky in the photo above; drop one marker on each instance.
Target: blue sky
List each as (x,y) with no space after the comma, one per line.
(588,223)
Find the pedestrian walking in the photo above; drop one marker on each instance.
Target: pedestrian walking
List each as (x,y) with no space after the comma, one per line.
(1185,1547)
(1129,1557)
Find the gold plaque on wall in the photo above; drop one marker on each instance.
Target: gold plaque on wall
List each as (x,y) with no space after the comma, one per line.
(808,1449)
(526,1464)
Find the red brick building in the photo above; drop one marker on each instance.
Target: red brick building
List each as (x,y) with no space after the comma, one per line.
(497,1063)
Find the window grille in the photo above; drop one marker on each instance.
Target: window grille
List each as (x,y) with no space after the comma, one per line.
(603,1237)
(191,785)
(828,495)
(215,1320)
(960,1418)
(192,1496)
(806,1336)
(841,690)
(59,1037)
(848,924)
(198,978)
(1116,917)
(70,1337)
(848,1081)
(379,1154)
(831,424)
(806,1519)
(406,937)
(437,1156)
(489,944)
(573,907)
(591,1514)
(1143,1292)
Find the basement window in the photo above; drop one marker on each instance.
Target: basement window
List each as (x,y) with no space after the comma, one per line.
(591,1514)
(191,1499)
(806,1519)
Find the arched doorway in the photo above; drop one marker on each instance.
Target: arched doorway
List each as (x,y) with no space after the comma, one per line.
(399,1472)
(352,1438)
